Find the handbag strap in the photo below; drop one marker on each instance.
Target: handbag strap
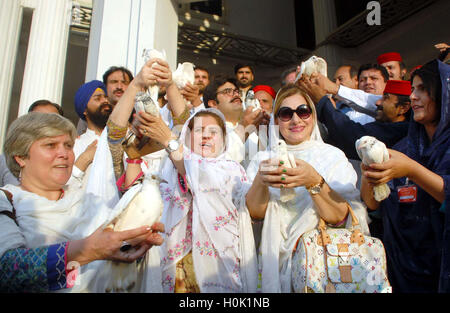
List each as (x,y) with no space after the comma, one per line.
(9,214)
(357,236)
(355,222)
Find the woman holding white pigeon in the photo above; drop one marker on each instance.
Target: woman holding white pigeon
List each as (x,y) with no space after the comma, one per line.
(52,234)
(291,200)
(418,174)
(209,245)
(205,222)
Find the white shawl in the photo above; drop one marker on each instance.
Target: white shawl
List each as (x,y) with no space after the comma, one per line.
(211,220)
(77,215)
(285,222)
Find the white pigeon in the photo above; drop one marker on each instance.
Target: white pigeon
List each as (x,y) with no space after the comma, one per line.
(144,208)
(371,150)
(184,74)
(148,101)
(288,159)
(251,101)
(313,65)
(153,91)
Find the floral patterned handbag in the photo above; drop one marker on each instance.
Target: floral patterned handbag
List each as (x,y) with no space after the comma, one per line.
(339,260)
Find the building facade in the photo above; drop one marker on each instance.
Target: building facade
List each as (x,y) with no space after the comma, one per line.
(50,47)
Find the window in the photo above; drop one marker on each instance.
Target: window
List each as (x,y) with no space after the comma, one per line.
(304,23)
(204,12)
(347,9)
(213,7)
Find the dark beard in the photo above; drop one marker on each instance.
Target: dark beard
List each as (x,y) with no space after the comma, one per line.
(201,88)
(244,85)
(98,117)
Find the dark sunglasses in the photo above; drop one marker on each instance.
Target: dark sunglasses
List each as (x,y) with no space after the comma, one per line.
(303,111)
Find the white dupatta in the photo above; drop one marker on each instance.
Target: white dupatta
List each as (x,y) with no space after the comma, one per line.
(285,222)
(77,215)
(211,220)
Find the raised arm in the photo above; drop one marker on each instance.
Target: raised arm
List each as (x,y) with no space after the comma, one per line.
(157,130)
(155,71)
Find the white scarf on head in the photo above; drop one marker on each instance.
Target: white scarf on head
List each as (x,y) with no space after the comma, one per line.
(285,222)
(211,220)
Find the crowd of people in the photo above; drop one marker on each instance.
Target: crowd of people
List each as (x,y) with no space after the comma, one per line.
(232,210)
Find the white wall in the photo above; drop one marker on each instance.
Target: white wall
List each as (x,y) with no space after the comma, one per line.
(120,30)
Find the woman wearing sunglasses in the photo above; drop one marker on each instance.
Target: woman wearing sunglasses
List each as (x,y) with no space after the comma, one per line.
(323,180)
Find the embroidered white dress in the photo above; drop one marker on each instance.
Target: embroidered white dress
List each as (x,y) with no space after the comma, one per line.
(210,220)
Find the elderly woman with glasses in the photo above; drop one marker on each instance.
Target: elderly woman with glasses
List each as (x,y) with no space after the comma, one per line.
(52,235)
(323,183)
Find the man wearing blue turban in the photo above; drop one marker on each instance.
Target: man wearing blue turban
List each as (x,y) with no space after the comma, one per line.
(92,105)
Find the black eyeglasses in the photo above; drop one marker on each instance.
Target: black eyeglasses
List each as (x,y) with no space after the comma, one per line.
(229,91)
(303,111)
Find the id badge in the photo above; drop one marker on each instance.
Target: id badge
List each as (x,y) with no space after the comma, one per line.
(407,193)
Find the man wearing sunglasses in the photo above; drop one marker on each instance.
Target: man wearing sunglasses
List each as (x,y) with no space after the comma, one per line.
(222,93)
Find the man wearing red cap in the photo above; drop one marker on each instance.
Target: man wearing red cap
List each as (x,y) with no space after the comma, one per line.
(265,95)
(393,63)
(390,123)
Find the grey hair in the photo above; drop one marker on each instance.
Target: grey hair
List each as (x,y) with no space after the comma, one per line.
(25,130)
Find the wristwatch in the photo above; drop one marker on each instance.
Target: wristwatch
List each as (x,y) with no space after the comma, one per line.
(172,146)
(315,189)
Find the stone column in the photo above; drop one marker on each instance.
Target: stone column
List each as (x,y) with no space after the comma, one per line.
(10,20)
(120,30)
(325,23)
(46,55)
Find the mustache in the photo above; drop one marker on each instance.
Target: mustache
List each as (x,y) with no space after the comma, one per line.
(105,105)
(118,89)
(236,98)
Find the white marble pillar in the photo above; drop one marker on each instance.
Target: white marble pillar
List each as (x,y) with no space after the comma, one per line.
(46,55)
(10,21)
(120,30)
(325,23)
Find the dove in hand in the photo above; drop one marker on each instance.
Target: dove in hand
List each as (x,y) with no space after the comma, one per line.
(313,65)
(184,74)
(148,101)
(144,208)
(283,154)
(371,150)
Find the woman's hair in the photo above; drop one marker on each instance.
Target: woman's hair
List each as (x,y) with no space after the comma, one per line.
(216,117)
(219,121)
(25,130)
(288,91)
(429,73)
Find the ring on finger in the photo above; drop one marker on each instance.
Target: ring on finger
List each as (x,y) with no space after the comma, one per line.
(125,246)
